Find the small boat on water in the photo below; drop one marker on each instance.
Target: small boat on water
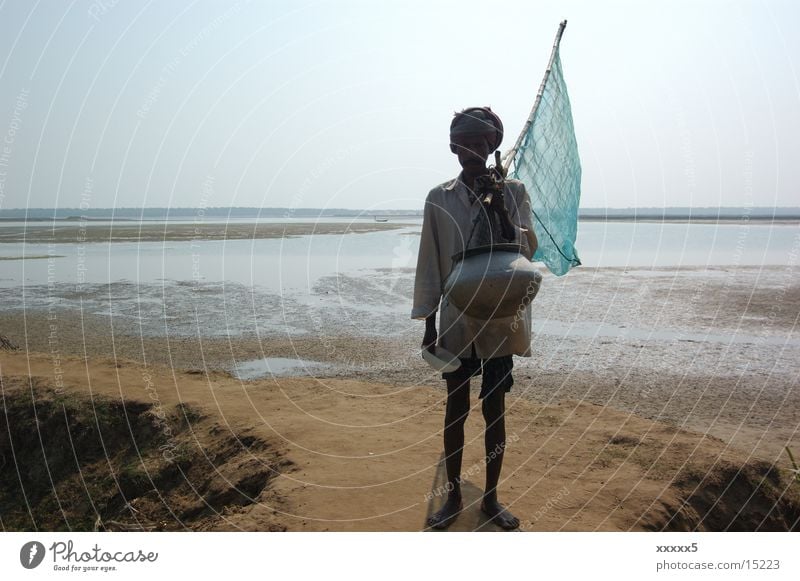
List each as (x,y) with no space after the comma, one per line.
(381,219)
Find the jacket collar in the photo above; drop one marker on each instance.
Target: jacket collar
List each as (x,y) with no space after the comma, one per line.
(451,185)
(460,188)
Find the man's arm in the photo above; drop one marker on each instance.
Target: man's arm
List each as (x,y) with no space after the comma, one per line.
(429,341)
(508,229)
(523,219)
(427,281)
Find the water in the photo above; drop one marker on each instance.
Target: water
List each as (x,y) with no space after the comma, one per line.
(332,284)
(298,263)
(274,263)
(276,367)
(644,244)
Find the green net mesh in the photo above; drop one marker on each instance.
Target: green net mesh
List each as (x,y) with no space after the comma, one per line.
(547,163)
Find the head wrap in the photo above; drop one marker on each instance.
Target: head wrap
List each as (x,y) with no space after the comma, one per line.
(477,121)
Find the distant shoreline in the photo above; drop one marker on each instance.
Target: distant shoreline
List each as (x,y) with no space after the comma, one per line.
(291,215)
(391,219)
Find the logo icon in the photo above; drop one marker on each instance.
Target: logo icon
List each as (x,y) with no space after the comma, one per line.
(403,258)
(31,554)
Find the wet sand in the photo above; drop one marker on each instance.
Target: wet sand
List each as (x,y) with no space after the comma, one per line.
(711,350)
(44,256)
(148,232)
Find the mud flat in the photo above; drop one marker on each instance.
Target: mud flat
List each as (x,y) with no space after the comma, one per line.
(713,350)
(149,232)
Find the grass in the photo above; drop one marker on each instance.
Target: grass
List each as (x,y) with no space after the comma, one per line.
(795,469)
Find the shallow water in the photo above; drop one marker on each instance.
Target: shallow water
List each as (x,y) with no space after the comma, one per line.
(271,263)
(644,244)
(355,284)
(299,263)
(277,367)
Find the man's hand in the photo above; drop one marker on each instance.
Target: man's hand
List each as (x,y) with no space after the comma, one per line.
(498,203)
(498,206)
(429,341)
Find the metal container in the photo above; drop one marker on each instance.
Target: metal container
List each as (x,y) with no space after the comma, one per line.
(493,281)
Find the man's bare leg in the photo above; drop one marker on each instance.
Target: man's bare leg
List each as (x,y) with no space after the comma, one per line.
(494,407)
(454,419)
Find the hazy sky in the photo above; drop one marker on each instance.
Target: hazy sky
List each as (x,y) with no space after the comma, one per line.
(348,103)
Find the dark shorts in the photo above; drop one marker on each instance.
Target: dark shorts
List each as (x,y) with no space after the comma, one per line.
(496,372)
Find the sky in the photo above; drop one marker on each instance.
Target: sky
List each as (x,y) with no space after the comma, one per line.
(347,103)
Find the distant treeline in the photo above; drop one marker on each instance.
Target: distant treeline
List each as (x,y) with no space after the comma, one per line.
(677,213)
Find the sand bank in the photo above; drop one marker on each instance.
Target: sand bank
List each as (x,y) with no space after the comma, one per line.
(164,232)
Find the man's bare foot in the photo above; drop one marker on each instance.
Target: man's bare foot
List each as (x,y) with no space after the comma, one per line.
(498,514)
(447,515)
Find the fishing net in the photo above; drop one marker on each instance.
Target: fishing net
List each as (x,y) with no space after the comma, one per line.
(547,162)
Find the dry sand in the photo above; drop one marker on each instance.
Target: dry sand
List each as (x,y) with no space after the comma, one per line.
(349,455)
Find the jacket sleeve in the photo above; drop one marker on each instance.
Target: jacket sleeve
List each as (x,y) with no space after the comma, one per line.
(523,220)
(427,282)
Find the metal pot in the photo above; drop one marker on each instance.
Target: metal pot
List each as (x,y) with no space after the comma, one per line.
(493,281)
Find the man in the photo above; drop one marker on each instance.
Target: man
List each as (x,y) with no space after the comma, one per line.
(483,347)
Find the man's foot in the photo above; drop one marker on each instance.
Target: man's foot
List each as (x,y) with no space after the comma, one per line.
(498,514)
(447,515)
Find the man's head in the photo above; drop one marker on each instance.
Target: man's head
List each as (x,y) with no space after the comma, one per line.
(474,134)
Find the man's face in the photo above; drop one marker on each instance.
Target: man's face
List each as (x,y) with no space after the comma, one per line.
(472,151)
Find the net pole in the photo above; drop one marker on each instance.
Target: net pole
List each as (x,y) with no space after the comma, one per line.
(512,153)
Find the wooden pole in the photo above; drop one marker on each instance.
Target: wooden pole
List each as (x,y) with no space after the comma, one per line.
(512,153)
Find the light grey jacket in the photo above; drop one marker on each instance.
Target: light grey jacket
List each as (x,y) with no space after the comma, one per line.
(446,225)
